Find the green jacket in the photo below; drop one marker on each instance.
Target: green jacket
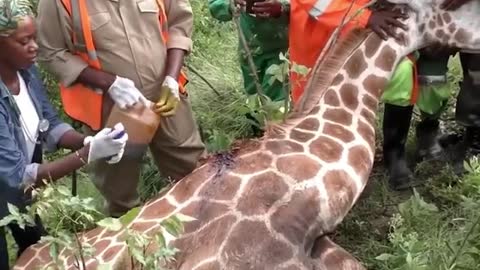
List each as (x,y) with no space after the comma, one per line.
(263,35)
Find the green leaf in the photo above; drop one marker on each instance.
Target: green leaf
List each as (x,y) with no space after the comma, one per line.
(384,257)
(130,216)
(111,224)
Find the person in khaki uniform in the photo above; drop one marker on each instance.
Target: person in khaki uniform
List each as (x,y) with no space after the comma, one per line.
(136,64)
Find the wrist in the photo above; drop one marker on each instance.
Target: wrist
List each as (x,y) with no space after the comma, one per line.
(82,154)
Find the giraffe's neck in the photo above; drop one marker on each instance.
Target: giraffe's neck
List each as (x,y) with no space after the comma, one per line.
(346,113)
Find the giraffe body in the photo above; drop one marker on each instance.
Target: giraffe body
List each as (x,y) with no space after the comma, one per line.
(271,204)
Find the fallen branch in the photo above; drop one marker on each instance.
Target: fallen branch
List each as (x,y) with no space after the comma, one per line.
(194,71)
(248,52)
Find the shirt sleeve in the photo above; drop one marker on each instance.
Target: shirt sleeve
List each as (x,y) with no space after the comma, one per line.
(332,12)
(57,127)
(220,10)
(12,159)
(180,24)
(55,42)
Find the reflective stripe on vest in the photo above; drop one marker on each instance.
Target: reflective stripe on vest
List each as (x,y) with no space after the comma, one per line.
(79,101)
(415,88)
(319,8)
(432,79)
(182,78)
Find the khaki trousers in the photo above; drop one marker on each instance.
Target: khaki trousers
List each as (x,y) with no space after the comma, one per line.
(176,149)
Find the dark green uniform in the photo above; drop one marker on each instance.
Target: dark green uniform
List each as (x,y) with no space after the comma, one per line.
(267,38)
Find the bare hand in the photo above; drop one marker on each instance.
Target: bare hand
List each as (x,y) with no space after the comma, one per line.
(384,22)
(241,4)
(268,9)
(453,4)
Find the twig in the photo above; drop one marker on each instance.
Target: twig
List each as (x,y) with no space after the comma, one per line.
(80,249)
(248,52)
(203,79)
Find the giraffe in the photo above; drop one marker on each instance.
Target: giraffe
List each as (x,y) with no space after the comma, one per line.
(271,203)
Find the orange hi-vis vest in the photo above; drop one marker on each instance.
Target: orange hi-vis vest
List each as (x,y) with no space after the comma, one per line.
(312,22)
(81,102)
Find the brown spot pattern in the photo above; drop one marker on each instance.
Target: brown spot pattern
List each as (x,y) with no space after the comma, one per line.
(447,18)
(299,167)
(261,192)
(338,132)
(421,28)
(144,226)
(462,36)
(310,123)
(315,109)
(300,136)
(366,132)
(341,190)
(331,98)
(372,44)
(326,149)
(369,116)
(349,96)
(190,184)
(375,85)
(203,244)
(452,28)
(251,246)
(295,218)
(386,60)
(359,159)
(253,163)
(203,211)
(337,80)
(355,65)
(439,21)
(338,116)
(111,252)
(439,33)
(431,24)
(370,102)
(157,210)
(222,187)
(283,147)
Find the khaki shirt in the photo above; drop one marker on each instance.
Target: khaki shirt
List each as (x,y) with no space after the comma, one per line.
(127,38)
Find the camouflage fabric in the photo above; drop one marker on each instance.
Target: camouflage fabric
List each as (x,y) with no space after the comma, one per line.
(11,13)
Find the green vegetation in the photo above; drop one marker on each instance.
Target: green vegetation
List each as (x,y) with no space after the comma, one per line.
(434,228)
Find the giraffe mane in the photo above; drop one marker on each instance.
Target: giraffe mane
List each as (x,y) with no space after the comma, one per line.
(324,71)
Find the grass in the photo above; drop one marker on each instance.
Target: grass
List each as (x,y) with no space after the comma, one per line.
(382,222)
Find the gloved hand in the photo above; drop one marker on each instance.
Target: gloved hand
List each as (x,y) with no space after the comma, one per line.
(169,98)
(105,144)
(125,94)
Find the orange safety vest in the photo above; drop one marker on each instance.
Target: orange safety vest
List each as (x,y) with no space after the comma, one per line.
(416,87)
(81,102)
(312,22)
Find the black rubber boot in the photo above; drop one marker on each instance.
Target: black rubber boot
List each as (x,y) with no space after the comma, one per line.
(396,123)
(466,149)
(427,140)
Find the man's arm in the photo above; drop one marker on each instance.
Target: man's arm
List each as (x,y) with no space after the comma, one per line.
(180,25)
(54,42)
(453,4)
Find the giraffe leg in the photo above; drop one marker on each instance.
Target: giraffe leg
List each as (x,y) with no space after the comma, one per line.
(327,255)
